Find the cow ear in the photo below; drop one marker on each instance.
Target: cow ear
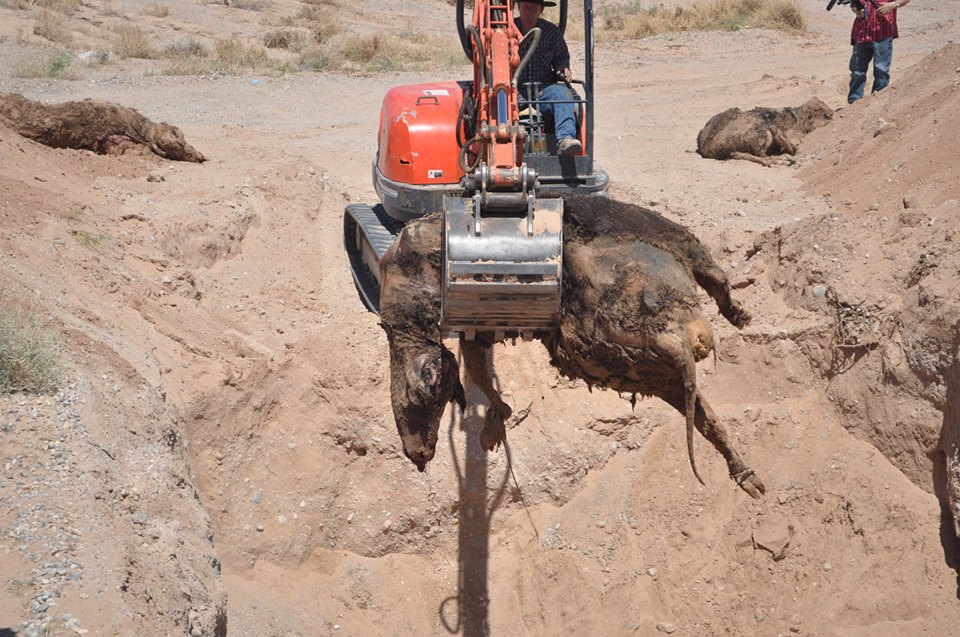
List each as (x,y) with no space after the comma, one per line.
(418,379)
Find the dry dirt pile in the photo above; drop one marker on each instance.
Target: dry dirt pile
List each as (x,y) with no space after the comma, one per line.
(224,455)
(889,268)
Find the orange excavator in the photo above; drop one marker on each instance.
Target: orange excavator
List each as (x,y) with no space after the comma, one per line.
(483,152)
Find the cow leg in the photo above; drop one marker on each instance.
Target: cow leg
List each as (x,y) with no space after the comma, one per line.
(763,161)
(477,363)
(707,424)
(785,144)
(711,278)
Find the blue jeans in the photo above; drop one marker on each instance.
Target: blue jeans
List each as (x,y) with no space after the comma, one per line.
(882,55)
(564,122)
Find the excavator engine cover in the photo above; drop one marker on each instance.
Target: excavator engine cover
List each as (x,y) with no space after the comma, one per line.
(418,148)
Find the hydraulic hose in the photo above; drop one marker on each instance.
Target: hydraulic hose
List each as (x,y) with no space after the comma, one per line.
(535,34)
(462,156)
(478,43)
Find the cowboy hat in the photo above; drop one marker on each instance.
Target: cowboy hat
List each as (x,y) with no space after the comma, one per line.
(544,3)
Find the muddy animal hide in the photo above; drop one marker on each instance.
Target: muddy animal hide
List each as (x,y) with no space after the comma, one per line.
(424,375)
(630,321)
(102,127)
(759,134)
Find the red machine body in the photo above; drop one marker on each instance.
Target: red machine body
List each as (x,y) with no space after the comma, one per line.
(418,134)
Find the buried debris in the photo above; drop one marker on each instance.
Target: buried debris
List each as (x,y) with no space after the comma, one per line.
(102,127)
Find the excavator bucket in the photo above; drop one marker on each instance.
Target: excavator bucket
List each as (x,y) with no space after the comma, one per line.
(501,271)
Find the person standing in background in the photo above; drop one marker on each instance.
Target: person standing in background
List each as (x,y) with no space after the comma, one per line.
(874,30)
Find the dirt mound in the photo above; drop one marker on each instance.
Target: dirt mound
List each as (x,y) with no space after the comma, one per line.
(886,269)
(897,148)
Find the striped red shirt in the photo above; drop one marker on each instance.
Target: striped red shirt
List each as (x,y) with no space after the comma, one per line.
(874,27)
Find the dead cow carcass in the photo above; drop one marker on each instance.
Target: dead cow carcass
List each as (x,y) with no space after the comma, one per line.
(630,321)
(102,127)
(760,134)
(424,375)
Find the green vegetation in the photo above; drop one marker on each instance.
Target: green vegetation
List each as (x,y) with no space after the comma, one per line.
(89,239)
(29,354)
(53,63)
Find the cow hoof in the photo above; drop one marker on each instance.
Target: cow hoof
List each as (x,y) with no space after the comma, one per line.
(494,431)
(751,483)
(492,437)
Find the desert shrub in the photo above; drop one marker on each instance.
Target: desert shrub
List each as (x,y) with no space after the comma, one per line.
(53,63)
(61,6)
(186,47)
(324,30)
(318,20)
(29,354)
(364,49)
(317,58)
(636,20)
(284,39)
(132,42)
(250,5)
(52,25)
(409,51)
(234,54)
(229,57)
(158,10)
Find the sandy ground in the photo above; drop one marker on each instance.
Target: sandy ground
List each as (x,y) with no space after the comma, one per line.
(224,456)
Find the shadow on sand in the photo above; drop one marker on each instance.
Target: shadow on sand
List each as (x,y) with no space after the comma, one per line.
(949,444)
(468,611)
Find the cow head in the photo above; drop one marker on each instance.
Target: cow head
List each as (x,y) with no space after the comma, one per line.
(420,391)
(168,142)
(814,114)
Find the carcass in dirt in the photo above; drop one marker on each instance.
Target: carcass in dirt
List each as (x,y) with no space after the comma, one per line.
(102,127)
(424,375)
(762,134)
(630,321)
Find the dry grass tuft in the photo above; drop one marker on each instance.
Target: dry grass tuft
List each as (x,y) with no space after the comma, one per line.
(52,25)
(29,354)
(132,42)
(250,5)
(410,51)
(284,39)
(187,47)
(229,57)
(66,7)
(635,20)
(158,10)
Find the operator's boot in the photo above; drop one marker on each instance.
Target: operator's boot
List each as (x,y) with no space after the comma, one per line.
(569,146)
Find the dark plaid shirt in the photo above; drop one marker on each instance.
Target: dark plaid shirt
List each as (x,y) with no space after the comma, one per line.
(550,57)
(875,27)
